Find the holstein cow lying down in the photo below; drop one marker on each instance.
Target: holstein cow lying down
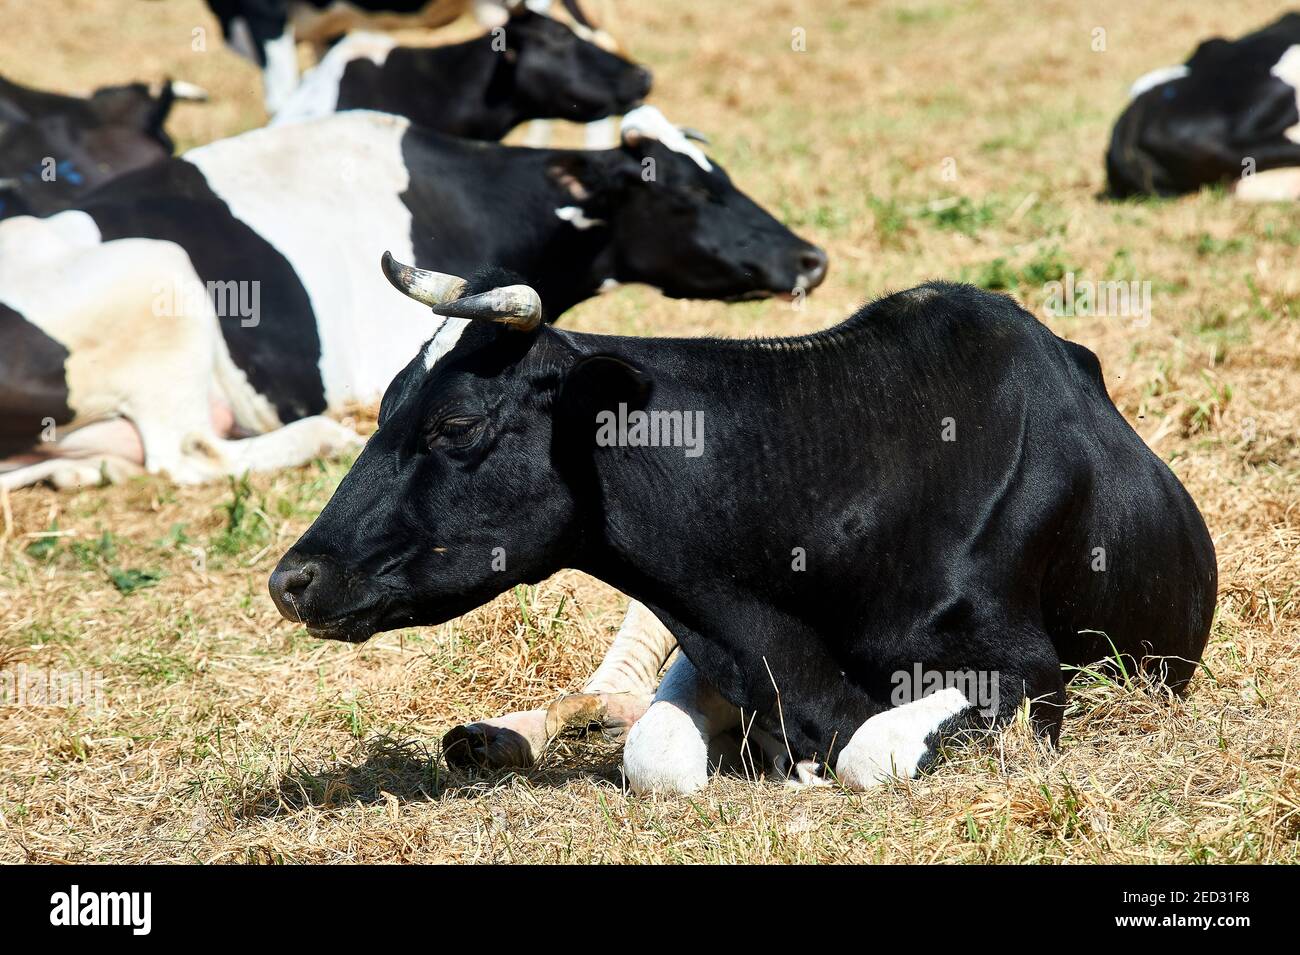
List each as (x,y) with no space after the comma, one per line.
(1229,115)
(935,488)
(221,294)
(267,32)
(536,68)
(54,148)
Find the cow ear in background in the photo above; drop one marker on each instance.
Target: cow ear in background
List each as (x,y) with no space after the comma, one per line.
(600,383)
(590,175)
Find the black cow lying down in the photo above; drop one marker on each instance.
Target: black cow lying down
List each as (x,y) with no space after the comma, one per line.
(1229,115)
(936,488)
(533,67)
(55,148)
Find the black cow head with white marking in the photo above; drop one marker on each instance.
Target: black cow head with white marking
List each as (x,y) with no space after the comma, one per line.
(473,481)
(677,221)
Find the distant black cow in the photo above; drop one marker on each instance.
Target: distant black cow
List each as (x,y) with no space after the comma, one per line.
(870,538)
(1228,115)
(236,284)
(55,148)
(533,68)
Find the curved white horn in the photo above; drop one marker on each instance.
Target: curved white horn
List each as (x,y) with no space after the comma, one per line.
(517,306)
(429,288)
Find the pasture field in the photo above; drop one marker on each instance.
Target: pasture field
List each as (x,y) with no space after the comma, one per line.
(913,139)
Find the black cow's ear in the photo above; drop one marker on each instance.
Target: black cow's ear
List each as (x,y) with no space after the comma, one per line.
(577,175)
(598,173)
(600,383)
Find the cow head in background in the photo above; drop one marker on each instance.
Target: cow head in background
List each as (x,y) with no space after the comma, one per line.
(678,223)
(548,70)
(55,149)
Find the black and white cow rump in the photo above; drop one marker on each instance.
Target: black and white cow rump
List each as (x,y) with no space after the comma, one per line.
(55,148)
(534,67)
(255,256)
(839,529)
(1228,115)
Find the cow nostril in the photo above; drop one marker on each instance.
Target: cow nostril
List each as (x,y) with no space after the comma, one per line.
(300,578)
(812,265)
(812,260)
(290,583)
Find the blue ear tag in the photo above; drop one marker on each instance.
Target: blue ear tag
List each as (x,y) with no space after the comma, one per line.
(69,172)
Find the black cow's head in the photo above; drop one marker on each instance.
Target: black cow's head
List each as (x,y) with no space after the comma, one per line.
(678,223)
(54,149)
(462,492)
(548,71)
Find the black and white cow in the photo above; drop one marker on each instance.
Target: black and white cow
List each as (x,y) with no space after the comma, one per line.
(267,32)
(867,539)
(536,68)
(55,148)
(233,291)
(1228,115)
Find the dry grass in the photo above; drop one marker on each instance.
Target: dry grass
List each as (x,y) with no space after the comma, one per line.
(228,735)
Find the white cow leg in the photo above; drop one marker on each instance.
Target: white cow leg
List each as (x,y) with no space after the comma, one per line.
(668,748)
(615,696)
(71,473)
(899,742)
(1272,185)
(296,443)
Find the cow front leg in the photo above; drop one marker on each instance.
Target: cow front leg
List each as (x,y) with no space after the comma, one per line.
(903,742)
(290,446)
(668,749)
(615,696)
(517,740)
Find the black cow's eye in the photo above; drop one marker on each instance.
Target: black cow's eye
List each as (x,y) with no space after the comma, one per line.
(453,432)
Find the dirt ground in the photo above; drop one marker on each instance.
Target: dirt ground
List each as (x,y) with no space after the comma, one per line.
(914,140)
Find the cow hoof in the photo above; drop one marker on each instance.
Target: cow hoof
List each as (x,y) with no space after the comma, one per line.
(484,746)
(807,773)
(894,744)
(666,752)
(577,710)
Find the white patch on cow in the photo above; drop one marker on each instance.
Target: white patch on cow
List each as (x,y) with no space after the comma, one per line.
(74,288)
(443,340)
(1287,69)
(1153,79)
(893,743)
(667,750)
(280,75)
(318,93)
(649,122)
(26,242)
(279,181)
(577,218)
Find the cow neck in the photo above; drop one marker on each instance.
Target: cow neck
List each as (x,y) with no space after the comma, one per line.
(658,524)
(456,84)
(566,265)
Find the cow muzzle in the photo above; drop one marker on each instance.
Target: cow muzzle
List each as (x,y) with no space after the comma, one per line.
(315,592)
